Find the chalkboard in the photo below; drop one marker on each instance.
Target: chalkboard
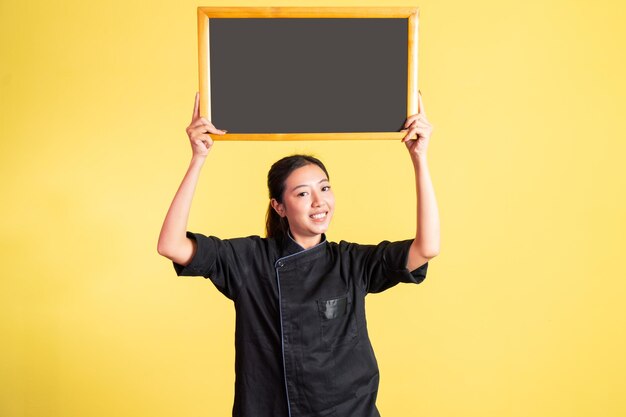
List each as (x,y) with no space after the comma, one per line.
(308,73)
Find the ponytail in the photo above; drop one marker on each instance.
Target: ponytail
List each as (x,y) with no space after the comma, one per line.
(275,226)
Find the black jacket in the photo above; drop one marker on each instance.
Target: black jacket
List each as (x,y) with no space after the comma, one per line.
(302,348)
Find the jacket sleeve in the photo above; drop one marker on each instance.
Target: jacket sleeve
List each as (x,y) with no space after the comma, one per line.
(383,266)
(225,262)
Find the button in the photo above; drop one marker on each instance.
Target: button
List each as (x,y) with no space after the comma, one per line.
(281,264)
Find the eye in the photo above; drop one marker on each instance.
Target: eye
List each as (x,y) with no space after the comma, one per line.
(303,194)
(326,188)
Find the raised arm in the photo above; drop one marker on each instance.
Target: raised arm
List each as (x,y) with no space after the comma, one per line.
(173,242)
(426,243)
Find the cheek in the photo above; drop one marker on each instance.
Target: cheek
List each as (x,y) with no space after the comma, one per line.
(331,200)
(294,207)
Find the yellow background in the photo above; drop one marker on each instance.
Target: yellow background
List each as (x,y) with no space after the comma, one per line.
(522,314)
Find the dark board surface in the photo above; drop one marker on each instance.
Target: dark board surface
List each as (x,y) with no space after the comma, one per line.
(311,75)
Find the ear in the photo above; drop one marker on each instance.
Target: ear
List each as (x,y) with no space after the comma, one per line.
(278,207)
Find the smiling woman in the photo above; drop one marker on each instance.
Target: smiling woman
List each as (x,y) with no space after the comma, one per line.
(301,200)
(301,340)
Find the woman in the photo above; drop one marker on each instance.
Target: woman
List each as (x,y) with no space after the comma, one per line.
(302,347)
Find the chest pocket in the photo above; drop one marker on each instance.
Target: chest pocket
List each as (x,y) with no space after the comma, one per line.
(337,322)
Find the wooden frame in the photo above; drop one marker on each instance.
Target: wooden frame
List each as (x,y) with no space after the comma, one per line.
(206,13)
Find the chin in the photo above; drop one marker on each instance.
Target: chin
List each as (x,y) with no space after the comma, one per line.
(322,228)
(317,230)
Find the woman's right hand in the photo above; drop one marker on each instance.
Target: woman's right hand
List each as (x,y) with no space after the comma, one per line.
(198,132)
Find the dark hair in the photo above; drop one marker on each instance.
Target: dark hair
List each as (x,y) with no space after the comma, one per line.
(276,226)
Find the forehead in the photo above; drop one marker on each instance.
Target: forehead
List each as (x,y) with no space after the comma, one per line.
(306,175)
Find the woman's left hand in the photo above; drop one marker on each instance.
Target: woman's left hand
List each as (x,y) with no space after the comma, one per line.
(417,124)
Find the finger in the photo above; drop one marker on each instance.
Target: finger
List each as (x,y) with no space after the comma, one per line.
(196,107)
(197,125)
(204,139)
(411,145)
(201,122)
(410,120)
(417,120)
(420,103)
(210,127)
(423,132)
(216,131)
(409,134)
(201,145)
(421,123)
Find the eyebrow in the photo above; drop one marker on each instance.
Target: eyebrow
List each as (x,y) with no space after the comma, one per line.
(306,185)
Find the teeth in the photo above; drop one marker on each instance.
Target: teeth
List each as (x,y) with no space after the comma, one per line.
(318,216)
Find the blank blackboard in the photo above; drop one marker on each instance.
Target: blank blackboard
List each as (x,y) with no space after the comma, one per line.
(301,74)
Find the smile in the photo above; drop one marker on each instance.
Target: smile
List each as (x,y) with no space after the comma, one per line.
(318,216)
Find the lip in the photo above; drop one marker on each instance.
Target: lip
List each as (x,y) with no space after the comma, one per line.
(321,219)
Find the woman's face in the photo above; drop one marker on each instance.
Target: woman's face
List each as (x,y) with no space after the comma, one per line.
(308,203)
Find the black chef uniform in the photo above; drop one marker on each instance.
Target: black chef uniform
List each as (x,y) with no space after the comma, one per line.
(302,347)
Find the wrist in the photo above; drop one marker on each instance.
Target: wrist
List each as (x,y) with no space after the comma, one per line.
(419,159)
(198,160)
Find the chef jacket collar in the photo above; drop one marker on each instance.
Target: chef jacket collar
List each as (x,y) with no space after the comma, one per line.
(292,247)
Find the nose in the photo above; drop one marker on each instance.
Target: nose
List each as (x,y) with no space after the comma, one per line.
(316,200)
